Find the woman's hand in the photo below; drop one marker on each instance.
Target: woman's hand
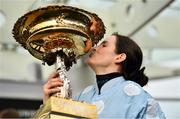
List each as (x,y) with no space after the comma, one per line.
(51,86)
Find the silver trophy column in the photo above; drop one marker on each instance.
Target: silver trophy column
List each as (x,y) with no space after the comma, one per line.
(65,90)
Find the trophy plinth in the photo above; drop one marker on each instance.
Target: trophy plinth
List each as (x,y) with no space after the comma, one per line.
(59,108)
(60,35)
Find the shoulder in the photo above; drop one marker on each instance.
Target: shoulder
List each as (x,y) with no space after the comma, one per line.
(134,93)
(130,91)
(142,100)
(131,88)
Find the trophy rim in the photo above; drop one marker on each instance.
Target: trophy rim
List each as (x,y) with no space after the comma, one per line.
(18,35)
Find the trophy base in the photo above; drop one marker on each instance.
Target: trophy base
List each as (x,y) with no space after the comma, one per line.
(60,108)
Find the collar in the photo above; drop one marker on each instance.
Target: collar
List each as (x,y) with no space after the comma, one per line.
(102,79)
(110,84)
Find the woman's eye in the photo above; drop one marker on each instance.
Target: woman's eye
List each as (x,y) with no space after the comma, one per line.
(103,45)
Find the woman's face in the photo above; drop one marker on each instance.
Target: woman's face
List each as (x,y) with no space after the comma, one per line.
(103,55)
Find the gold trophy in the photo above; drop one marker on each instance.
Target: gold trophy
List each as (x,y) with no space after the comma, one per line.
(60,35)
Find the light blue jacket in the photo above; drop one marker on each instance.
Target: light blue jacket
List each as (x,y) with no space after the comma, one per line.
(121,99)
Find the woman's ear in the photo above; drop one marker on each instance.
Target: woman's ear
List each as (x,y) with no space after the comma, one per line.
(120,58)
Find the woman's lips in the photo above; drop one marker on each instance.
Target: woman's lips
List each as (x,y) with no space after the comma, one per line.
(92,52)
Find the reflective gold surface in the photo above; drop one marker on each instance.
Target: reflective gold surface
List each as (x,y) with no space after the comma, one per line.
(46,31)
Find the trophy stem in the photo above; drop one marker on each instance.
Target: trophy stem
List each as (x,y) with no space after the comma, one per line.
(65,90)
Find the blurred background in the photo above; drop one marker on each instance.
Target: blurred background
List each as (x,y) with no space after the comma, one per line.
(153,24)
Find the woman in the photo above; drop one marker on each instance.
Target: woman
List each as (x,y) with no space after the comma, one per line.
(120,78)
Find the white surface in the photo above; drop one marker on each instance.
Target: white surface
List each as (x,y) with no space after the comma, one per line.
(164,88)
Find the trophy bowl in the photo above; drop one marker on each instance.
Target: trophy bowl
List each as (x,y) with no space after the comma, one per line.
(58,30)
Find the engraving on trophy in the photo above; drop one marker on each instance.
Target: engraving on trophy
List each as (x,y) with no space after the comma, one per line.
(60,18)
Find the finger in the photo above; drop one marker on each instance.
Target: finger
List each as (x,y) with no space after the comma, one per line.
(55,74)
(53,84)
(53,90)
(54,80)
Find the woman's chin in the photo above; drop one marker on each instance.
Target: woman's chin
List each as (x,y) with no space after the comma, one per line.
(90,61)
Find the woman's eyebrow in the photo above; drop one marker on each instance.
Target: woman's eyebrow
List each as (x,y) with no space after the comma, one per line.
(104,42)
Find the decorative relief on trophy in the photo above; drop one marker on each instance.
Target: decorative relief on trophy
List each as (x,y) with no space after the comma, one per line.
(59,35)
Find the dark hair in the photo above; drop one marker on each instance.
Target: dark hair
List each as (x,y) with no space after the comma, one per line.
(131,66)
